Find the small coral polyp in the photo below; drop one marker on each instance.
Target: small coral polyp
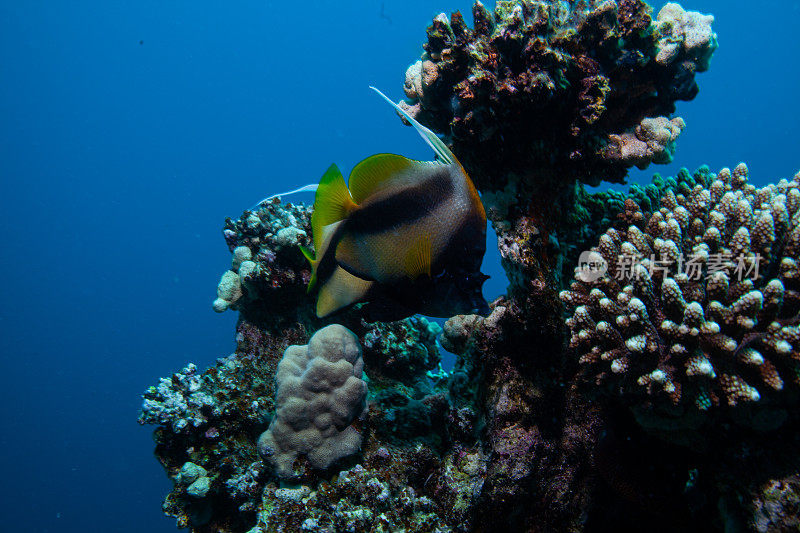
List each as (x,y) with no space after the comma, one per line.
(699,305)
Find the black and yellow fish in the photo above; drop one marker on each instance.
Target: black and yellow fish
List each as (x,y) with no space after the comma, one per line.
(406,236)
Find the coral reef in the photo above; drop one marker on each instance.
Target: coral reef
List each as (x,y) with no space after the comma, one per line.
(698,306)
(652,141)
(684,36)
(559,91)
(356,500)
(538,432)
(539,96)
(320,394)
(659,400)
(404,350)
(267,267)
(209,422)
(777,506)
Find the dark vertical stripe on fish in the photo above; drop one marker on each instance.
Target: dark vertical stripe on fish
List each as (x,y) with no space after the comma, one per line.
(465,249)
(404,207)
(327,263)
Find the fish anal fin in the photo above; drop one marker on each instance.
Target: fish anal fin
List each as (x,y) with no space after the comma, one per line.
(339,291)
(375,172)
(419,257)
(332,203)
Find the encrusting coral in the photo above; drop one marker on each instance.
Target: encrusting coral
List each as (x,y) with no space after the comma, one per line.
(267,266)
(559,91)
(356,500)
(698,306)
(684,36)
(320,394)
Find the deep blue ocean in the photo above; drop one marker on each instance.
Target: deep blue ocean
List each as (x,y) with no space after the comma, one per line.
(130,130)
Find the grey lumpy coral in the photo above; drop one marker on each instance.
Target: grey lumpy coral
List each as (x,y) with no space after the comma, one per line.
(265,257)
(320,393)
(178,402)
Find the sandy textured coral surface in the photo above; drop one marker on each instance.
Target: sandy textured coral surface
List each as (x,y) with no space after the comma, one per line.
(320,394)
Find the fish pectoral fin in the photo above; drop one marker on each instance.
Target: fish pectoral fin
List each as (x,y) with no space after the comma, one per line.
(309,255)
(332,203)
(350,258)
(378,171)
(339,291)
(419,257)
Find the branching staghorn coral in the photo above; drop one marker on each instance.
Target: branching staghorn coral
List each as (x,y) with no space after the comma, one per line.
(699,305)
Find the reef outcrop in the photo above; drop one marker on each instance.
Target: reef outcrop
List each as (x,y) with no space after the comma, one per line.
(557,92)
(639,396)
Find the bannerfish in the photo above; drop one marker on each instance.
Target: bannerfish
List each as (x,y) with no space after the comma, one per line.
(404,236)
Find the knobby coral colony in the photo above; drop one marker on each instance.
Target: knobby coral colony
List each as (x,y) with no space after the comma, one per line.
(699,305)
(558,403)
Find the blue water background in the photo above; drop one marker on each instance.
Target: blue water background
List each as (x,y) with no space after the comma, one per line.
(119,162)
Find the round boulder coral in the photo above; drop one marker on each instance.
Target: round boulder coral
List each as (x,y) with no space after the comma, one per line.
(320,393)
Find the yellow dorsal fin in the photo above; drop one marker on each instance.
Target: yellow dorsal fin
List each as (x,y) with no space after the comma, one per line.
(331,204)
(376,171)
(339,291)
(419,257)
